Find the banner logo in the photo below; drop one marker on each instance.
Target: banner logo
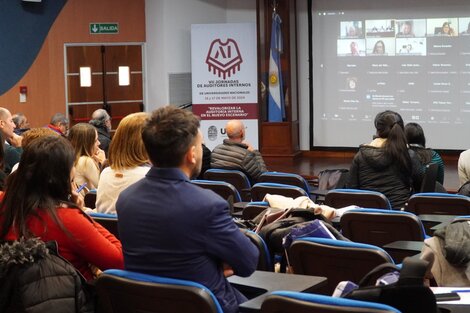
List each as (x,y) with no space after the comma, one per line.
(212,133)
(224,59)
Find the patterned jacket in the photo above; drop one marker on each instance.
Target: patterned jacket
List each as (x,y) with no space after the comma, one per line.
(236,156)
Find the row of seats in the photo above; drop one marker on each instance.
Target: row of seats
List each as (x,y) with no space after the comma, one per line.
(235,185)
(110,222)
(310,256)
(337,260)
(298,186)
(123,291)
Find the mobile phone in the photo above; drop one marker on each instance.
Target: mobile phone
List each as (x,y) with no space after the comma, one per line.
(448,296)
(81,187)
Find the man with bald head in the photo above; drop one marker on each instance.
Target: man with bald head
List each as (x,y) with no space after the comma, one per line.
(7,126)
(101,120)
(237,154)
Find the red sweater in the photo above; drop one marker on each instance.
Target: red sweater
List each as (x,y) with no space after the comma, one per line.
(88,242)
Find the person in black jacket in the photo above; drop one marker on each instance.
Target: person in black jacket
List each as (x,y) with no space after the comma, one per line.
(101,120)
(34,278)
(206,161)
(417,142)
(237,154)
(386,164)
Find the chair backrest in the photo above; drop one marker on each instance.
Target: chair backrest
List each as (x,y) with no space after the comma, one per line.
(237,178)
(338,198)
(265,262)
(108,221)
(464,218)
(300,302)
(253,209)
(259,190)
(333,178)
(284,178)
(336,259)
(379,227)
(223,189)
(124,291)
(90,199)
(438,203)
(430,178)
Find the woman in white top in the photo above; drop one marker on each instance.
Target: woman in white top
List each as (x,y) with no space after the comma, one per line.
(128,162)
(88,156)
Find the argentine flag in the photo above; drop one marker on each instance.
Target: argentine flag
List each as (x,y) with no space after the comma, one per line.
(276,109)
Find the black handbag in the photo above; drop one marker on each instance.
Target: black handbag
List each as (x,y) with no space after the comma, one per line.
(408,294)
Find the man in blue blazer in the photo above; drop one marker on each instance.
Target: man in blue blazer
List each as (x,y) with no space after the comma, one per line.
(172,228)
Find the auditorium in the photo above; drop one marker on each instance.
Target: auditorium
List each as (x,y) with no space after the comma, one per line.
(234,156)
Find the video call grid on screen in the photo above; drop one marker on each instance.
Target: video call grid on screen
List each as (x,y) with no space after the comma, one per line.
(412,57)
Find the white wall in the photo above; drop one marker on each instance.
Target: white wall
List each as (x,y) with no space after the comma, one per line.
(169,39)
(302,74)
(241,11)
(168,27)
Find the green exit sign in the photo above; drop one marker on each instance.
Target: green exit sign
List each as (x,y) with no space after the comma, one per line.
(104,28)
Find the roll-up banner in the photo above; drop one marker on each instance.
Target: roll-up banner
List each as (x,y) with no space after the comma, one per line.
(224,79)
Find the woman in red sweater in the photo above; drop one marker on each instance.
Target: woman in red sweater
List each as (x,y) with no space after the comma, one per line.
(39,202)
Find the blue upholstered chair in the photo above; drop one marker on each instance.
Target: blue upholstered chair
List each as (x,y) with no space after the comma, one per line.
(224,189)
(290,301)
(338,198)
(438,203)
(90,199)
(259,190)
(430,178)
(265,262)
(237,178)
(124,291)
(336,259)
(285,178)
(252,209)
(108,221)
(380,227)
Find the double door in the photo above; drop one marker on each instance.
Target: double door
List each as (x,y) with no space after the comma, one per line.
(104,76)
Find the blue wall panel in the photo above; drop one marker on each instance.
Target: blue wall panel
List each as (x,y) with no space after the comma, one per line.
(23,29)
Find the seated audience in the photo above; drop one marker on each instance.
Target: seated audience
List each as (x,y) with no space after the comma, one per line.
(128,162)
(88,156)
(40,202)
(21,123)
(237,154)
(417,142)
(173,228)
(101,120)
(12,145)
(59,123)
(386,164)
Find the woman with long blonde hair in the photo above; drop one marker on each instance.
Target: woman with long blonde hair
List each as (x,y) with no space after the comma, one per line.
(128,162)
